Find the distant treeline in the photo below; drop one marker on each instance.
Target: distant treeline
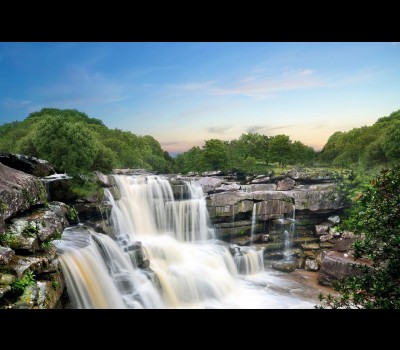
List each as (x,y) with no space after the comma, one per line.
(75,143)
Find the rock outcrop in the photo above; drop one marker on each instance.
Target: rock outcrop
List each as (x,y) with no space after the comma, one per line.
(337,265)
(18,192)
(26,164)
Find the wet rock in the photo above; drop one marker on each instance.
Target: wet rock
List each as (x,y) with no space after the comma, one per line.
(337,265)
(284,266)
(104,180)
(26,164)
(311,265)
(326,245)
(145,264)
(343,245)
(6,255)
(310,246)
(6,279)
(326,238)
(321,229)
(285,184)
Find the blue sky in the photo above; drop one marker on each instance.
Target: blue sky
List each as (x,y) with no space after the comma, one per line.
(185,93)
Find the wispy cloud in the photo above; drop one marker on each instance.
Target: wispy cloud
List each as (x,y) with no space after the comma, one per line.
(280,127)
(255,128)
(12,104)
(218,129)
(267,87)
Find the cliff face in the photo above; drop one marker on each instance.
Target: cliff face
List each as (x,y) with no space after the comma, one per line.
(30,273)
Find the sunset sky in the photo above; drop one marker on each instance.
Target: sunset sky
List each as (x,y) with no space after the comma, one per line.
(184,93)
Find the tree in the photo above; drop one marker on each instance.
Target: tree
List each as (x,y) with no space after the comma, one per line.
(216,155)
(391,143)
(377,216)
(279,149)
(69,146)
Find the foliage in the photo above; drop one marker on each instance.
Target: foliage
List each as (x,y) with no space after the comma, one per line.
(20,285)
(251,154)
(368,147)
(377,216)
(74,143)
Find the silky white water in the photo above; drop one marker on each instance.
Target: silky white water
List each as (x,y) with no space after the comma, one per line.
(192,268)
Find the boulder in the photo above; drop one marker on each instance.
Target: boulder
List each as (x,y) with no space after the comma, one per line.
(334,219)
(6,255)
(317,200)
(321,229)
(261,179)
(284,266)
(311,265)
(208,184)
(26,164)
(337,265)
(326,238)
(28,232)
(285,184)
(343,245)
(18,192)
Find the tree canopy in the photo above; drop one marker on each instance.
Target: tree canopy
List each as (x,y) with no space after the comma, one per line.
(74,143)
(376,215)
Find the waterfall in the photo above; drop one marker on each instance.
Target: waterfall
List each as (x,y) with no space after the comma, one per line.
(253,220)
(98,275)
(191,269)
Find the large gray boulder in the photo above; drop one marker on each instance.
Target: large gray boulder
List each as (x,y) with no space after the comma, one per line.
(337,265)
(285,184)
(18,192)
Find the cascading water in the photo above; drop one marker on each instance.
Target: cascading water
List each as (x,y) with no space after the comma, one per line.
(192,269)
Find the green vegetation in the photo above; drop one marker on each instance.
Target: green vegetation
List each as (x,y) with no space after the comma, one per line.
(72,214)
(250,154)
(21,285)
(74,143)
(3,206)
(7,239)
(31,230)
(366,148)
(376,214)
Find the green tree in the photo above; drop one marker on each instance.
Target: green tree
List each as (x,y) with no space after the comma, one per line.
(391,143)
(69,146)
(377,216)
(216,155)
(280,149)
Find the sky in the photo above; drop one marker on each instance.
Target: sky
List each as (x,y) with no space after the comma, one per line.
(183,93)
